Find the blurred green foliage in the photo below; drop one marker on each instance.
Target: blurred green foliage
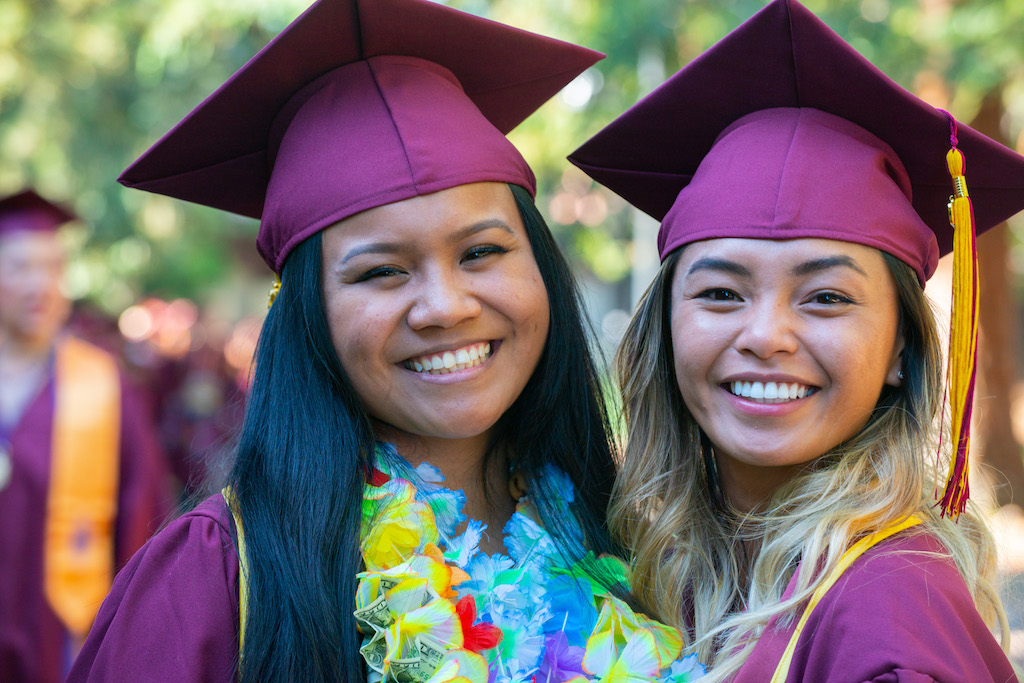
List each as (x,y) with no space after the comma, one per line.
(87,85)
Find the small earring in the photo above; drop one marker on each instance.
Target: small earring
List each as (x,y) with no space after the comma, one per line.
(900,375)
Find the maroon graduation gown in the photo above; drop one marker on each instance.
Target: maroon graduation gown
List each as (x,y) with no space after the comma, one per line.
(901,613)
(172,614)
(34,645)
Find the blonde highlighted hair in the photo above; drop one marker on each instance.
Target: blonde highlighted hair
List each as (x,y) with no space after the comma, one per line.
(691,567)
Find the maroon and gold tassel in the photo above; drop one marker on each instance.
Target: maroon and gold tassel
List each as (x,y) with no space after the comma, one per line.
(963,331)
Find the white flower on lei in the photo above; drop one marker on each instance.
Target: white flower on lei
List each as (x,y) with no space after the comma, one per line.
(465,546)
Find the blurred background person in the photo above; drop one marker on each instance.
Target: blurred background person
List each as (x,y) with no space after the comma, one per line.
(83,482)
(195,395)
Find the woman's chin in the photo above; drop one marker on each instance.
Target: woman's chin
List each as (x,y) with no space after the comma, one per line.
(448,429)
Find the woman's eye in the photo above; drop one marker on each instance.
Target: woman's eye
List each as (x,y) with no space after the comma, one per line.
(378,272)
(479,252)
(719,294)
(830,298)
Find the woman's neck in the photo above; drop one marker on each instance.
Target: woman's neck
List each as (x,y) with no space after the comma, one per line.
(463,463)
(748,487)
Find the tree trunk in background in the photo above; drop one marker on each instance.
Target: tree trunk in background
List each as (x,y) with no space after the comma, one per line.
(998,365)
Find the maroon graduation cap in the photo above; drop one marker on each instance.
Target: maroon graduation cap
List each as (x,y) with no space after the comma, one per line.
(28,211)
(781,129)
(360,103)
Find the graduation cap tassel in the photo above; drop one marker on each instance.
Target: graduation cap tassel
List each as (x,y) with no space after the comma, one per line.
(963,331)
(274,290)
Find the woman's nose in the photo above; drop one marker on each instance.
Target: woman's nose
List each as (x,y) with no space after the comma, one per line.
(769,328)
(443,300)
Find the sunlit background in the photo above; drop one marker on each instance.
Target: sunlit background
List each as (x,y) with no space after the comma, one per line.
(178,290)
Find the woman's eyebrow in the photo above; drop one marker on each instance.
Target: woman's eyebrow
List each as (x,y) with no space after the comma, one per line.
(397,247)
(471,230)
(822,264)
(803,269)
(373,248)
(719,265)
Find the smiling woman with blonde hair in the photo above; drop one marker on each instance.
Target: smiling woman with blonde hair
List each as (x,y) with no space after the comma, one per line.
(782,377)
(420,486)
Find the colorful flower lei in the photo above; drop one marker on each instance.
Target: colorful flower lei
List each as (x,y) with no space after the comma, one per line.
(432,608)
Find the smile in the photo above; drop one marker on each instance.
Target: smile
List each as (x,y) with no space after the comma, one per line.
(770,392)
(447,362)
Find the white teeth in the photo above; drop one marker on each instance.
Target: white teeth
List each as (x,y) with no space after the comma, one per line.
(770,392)
(450,361)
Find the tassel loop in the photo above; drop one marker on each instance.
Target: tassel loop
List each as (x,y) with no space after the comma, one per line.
(956,164)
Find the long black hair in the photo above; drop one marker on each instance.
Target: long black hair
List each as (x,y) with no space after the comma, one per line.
(307,442)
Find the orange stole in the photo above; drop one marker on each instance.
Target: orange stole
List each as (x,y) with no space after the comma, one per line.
(78,555)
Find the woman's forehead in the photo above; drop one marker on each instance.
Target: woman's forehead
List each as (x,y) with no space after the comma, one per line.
(444,218)
(791,248)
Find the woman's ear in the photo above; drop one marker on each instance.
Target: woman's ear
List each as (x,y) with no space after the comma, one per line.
(896,374)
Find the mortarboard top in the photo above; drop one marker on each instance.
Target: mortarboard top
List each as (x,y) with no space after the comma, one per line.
(782,130)
(28,211)
(360,103)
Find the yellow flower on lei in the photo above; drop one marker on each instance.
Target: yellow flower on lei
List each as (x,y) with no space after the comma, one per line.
(637,663)
(395,524)
(448,673)
(461,666)
(416,614)
(625,646)
(438,577)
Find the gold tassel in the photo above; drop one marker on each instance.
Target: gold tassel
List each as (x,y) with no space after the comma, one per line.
(963,332)
(274,290)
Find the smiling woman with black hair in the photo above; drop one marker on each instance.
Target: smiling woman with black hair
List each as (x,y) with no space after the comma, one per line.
(420,487)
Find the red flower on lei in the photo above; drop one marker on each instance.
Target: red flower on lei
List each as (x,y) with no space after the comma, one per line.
(376,478)
(477,637)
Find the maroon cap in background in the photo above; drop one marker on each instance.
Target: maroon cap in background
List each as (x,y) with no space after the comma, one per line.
(26,210)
